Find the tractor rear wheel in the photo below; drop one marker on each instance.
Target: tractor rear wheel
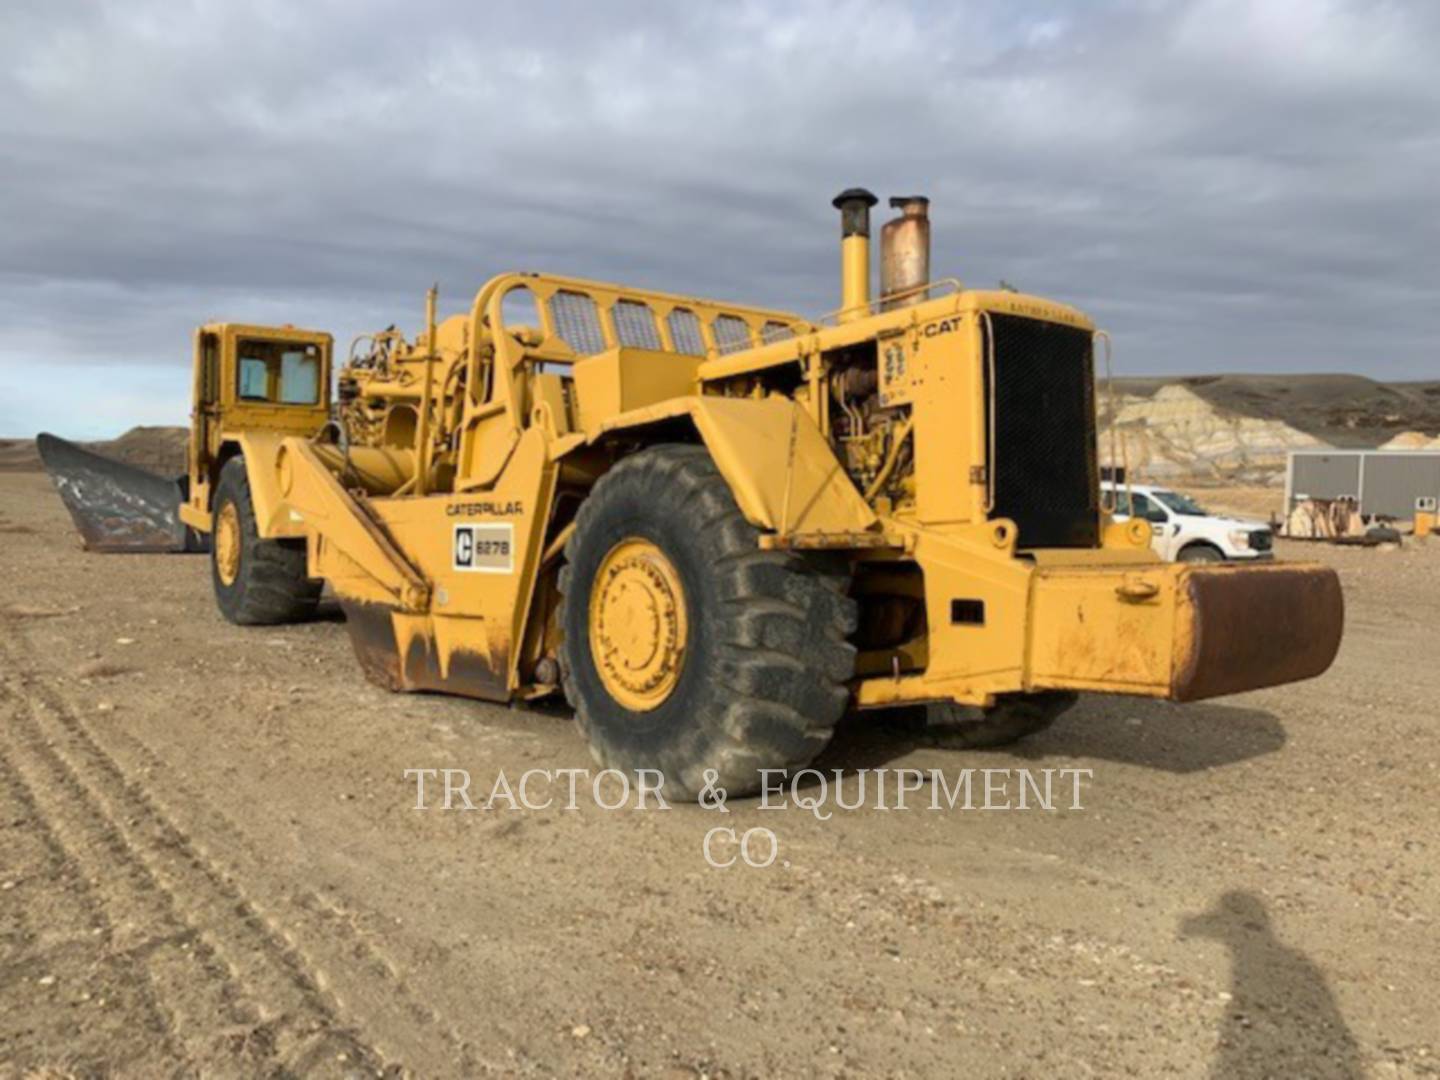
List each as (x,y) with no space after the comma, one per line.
(687,649)
(257,582)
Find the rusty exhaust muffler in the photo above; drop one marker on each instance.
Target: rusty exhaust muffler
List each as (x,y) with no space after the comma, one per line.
(905,252)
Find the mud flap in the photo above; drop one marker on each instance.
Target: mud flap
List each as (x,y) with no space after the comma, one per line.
(117,507)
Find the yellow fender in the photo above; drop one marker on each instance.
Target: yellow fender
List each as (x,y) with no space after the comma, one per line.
(261,450)
(780,468)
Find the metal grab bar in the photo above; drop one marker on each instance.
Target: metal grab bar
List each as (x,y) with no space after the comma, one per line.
(871,307)
(989,410)
(1123,458)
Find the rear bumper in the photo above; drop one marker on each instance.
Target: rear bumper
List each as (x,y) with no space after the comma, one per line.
(1183,632)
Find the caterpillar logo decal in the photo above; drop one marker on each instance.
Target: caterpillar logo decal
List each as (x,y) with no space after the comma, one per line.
(485,549)
(944,326)
(485,509)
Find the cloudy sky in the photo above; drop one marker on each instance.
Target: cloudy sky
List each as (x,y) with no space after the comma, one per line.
(1226,185)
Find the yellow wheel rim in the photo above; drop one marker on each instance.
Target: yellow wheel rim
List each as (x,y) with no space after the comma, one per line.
(227,543)
(637,624)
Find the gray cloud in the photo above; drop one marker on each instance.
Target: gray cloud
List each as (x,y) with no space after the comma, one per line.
(1225,185)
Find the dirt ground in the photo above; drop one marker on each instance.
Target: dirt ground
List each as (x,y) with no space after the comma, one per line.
(210,864)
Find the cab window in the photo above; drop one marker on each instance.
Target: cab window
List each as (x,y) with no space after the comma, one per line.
(278,372)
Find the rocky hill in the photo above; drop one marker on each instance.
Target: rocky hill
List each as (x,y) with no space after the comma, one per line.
(1239,428)
(1412,440)
(1341,410)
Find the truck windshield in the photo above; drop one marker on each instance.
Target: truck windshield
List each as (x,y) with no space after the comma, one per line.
(1181,504)
(278,372)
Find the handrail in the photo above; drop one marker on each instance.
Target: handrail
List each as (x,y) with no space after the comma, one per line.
(488,341)
(989,411)
(1123,459)
(873,307)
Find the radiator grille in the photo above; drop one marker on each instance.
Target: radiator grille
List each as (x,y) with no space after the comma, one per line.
(1045,468)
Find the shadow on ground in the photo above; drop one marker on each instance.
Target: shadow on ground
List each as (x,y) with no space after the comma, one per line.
(1281,1019)
(1159,734)
(1132,731)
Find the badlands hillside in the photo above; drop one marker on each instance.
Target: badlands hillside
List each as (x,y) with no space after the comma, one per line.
(1237,429)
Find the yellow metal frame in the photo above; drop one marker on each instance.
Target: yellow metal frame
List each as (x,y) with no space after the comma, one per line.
(497,404)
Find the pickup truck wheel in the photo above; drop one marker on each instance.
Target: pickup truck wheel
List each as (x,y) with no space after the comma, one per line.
(257,582)
(1010,719)
(1201,552)
(688,649)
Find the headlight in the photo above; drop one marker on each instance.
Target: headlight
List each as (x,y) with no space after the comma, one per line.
(1239,538)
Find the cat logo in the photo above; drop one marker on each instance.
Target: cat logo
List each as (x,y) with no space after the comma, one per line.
(484,549)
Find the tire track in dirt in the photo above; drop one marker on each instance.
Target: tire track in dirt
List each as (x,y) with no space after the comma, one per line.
(227,975)
(366,980)
(70,903)
(380,986)
(189,984)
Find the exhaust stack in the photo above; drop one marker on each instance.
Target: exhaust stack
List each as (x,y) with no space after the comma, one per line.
(854,205)
(905,251)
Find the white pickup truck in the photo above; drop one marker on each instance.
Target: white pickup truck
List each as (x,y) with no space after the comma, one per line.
(1184,530)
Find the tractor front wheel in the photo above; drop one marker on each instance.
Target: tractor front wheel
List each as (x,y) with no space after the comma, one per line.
(687,649)
(257,582)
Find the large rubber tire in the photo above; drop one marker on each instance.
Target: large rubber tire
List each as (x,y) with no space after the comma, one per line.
(1009,720)
(270,585)
(766,658)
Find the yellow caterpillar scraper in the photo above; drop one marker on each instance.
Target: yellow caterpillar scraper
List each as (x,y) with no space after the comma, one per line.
(715,527)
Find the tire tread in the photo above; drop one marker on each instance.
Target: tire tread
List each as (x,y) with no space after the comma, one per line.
(273,586)
(782,626)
